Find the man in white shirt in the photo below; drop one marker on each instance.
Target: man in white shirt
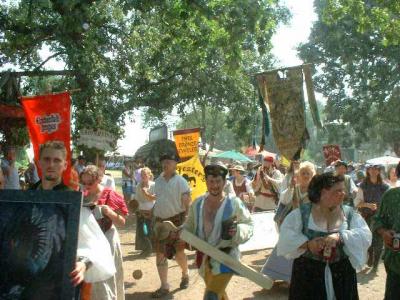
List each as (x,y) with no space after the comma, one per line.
(266,185)
(107,181)
(81,164)
(172,204)
(9,169)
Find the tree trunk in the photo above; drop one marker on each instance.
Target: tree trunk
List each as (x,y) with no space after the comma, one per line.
(203,126)
(396,148)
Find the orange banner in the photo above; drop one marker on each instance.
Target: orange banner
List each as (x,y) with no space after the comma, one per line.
(49,118)
(187,142)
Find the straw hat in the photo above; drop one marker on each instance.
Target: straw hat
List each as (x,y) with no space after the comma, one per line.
(163,229)
(238,168)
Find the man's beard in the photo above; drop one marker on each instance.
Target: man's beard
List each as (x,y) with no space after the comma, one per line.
(215,194)
(51,178)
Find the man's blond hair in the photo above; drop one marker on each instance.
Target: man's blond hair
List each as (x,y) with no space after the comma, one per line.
(56,145)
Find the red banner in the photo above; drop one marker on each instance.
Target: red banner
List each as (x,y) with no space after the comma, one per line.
(331,153)
(49,118)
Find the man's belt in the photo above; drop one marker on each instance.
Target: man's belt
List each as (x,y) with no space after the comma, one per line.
(177,220)
(269,195)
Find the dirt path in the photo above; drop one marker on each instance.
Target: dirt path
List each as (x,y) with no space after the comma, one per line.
(370,286)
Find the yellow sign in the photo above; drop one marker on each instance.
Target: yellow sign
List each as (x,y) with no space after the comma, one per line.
(192,170)
(284,161)
(187,142)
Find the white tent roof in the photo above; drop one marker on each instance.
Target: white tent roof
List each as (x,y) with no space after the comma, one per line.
(384,160)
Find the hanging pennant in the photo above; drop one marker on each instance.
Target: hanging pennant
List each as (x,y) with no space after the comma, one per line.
(49,118)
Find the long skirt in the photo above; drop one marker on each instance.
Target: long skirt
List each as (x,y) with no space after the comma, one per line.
(112,288)
(277,267)
(142,238)
(308,280)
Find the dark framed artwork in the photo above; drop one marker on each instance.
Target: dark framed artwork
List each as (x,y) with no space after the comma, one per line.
(38,242)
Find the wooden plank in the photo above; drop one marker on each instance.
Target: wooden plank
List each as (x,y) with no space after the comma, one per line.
(242,269)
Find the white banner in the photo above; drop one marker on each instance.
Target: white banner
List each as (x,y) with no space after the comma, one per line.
(265,234)
(98,139)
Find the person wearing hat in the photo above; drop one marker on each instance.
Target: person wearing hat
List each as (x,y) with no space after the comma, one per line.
(222,221)
(81,164)
(172,203)
(228,189)
(367,201)
(266,185)
(242,185)
(10,171)
(128,183)
(341,168)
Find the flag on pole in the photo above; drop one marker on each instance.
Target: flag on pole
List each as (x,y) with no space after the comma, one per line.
(49,118)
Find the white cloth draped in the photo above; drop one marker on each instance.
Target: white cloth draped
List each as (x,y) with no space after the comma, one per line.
(93,244)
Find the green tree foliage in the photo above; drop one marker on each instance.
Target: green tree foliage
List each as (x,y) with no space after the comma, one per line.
(380,16)
(220,130)
(358,74)
(129,54)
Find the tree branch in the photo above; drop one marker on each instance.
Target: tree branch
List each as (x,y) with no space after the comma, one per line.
(195,113)
(47,59)
(42,73)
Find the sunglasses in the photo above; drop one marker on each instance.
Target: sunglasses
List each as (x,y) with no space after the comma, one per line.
(88,183)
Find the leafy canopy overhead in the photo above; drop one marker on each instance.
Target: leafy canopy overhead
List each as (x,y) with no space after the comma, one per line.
(380,16)
(130,54)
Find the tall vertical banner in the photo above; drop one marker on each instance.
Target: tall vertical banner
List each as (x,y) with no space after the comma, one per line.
(282,90)
(187,142)
(49,118)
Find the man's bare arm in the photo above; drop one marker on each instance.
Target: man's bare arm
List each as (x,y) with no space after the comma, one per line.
(186,201)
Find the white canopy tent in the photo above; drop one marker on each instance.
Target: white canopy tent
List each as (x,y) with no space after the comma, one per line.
(385,161)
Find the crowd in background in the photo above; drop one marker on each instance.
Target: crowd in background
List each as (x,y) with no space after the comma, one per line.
(301,194)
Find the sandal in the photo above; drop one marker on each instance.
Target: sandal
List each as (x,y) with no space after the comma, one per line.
(184,283)
(160,293)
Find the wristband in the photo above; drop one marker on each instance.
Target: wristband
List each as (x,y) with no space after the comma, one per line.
(86,261)
(341,241)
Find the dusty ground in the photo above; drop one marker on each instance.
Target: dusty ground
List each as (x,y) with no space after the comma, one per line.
(370,286)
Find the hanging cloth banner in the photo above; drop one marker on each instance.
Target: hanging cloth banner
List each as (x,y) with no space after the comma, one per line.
(331,153)
(49,118)
(265,121)
(282,90)
(311,96)
(192,170)
(187,142)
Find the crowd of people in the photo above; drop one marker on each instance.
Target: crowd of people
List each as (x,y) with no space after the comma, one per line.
(331,224)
